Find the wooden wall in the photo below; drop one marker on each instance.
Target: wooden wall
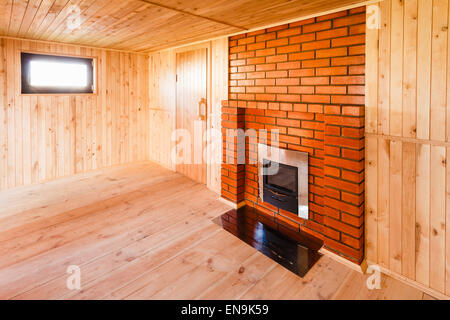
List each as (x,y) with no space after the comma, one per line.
(162,115)
(43,137)
(407,142)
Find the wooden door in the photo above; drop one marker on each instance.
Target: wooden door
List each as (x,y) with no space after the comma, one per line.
(192,113)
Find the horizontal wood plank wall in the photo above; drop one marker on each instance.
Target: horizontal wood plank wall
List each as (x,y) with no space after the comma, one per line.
(162,115)
(44,137)
(407,142)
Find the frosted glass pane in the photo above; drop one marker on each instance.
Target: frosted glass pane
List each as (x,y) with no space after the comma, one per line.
(58,74)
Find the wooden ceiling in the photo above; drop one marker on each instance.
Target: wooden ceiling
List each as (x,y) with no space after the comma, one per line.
(147,25)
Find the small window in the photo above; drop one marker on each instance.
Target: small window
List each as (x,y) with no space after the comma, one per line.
(56,74)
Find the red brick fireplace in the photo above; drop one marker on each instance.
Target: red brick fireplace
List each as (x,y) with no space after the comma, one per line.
(305,79)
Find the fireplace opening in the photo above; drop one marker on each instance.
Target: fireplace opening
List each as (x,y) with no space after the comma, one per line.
(281,185)
(283,179)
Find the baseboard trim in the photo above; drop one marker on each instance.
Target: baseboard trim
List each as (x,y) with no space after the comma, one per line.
(361,268)
(412,283)
(232,204)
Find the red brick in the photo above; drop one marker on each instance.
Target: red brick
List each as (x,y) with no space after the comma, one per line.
(350,241)
(343,185)
(286,106)
(349,41)
(315,108)
(301,115)
(353,111)
(246,82)
(317,27)
(357,50)
(288,122)
(288,82)
(348,80)
(302,38)
(278,58)
(238,49)
(246,68)
(301,90)
(265,37)
(265,120)
(265,82)
(277,43)
(235,63)
(266,67)
(358,29)
(248,54)
(288,32)
(278,89)
(265,52)
(357,70)
(256,60)
(350,20)
(255,89)
(301,132)
(352,220)
(237,76)
(334,33)
(289,139)
(331,90)
(347,61)
(265,97)
(347,99)
(332,130)
(337,52)
(352,177)
(345,142)
(337,225)
(276,74)
(288,49)
(316,63)
(301,56)
(288,65)
(288,97)
(344,121)
(301,73)
(322,44)
(316,98)
(277,114)
(246,40)
(300,107)
(315,81)
(332,71)
(358,10)
(348,252)
(352,154)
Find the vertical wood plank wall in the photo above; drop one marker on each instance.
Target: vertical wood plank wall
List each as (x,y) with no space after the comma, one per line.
(162,115)
(43,137)
(407,142)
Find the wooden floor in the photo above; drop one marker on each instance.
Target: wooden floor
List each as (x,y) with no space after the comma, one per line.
(142,232)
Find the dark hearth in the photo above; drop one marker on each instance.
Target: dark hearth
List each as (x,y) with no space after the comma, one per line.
(297,252)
